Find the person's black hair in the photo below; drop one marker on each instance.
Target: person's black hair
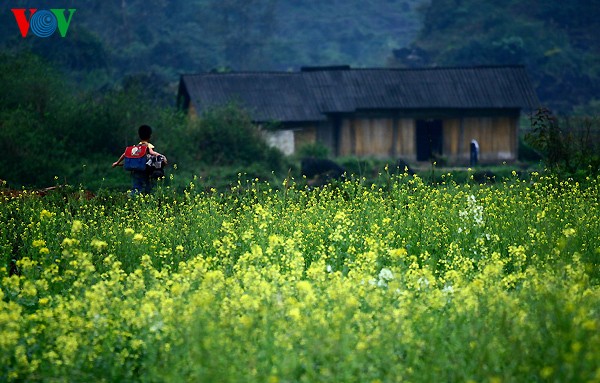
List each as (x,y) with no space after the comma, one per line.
(145,132)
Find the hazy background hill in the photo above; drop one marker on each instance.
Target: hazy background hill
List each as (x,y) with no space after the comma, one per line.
(111,40)
(117,38)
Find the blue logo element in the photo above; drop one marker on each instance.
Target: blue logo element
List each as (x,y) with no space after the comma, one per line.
(43,23)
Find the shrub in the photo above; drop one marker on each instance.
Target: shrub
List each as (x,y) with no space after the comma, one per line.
(316,150)
(568,145)
(227,136)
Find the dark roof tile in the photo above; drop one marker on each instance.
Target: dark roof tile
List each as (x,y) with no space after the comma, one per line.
(310,95)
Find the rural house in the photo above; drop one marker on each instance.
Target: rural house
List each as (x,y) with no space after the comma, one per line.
(409,114)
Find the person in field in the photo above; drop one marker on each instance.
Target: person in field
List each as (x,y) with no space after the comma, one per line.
(142,180)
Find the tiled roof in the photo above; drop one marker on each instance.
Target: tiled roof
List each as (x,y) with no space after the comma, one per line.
(310,95)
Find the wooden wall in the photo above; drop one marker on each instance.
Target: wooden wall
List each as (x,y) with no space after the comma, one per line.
(192,112)
(304,136)
(395,137)
(377,137)
(405,143)
(497,138)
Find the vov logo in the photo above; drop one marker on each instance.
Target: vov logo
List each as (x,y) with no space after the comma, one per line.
(43,23)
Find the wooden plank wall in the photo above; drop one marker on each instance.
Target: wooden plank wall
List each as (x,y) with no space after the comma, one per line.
(377,137)
(497,138)
(407,148)
(192,112)
(304,136)
(396,138)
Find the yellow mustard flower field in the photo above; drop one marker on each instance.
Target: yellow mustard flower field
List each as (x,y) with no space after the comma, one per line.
(403,282)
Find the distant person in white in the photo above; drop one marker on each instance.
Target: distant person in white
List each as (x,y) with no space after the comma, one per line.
(474,152)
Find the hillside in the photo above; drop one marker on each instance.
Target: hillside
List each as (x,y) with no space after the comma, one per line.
(113,39)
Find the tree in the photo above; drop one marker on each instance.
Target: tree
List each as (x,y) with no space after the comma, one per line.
(31,94)
(567,145)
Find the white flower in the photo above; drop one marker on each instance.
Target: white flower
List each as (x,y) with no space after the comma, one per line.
(474,213)
(423,283)
(386,274)
(157,326)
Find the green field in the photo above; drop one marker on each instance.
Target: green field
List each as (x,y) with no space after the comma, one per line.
(403,282)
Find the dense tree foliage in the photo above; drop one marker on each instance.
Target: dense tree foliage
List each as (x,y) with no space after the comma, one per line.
(50,130)
(557,41)
(171,37)
(567,145)
(52,134)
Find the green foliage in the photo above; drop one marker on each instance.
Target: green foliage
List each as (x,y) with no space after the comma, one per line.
(81,51)
(50,134)
(30,155)
(29,82)
(357,33)
(526,152)
(32,152)
(568,145)
(227,136)
(316,150)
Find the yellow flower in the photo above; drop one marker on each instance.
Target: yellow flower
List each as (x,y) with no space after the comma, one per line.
(46,214)
(294,313)
(39,243)
(546,372)
(179,248)
(69,242)
(44,250)
(138,237)
(28,289)
(136,344)
(129,231)
(77,225)
(398,253)
(99,245)
(589,325)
